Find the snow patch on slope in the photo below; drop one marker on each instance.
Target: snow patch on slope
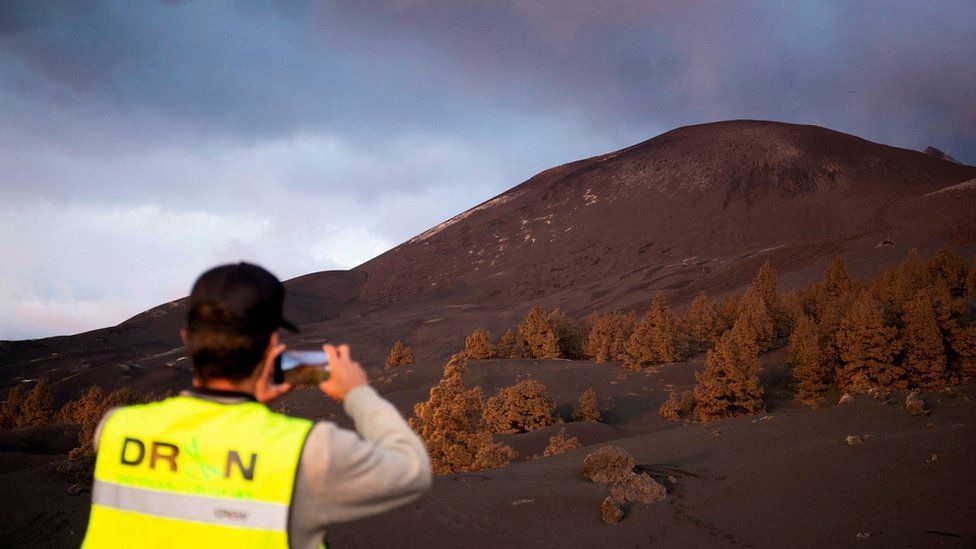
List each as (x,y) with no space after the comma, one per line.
(497,201)
(965,185)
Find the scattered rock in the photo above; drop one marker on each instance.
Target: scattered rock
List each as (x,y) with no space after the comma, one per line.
(930,425)
(611,512)
(608,464)
(853,440)
(935,457)
(915,405)
(863,535)
(880,393)
(642,488)
(846,397)
(717,434)
(76,489)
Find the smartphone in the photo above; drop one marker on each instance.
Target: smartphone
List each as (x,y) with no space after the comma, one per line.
(301,367)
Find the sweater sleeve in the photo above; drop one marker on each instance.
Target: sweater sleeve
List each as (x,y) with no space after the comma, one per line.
(345,475)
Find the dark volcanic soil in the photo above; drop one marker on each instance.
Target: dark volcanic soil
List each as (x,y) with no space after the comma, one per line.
(697,208)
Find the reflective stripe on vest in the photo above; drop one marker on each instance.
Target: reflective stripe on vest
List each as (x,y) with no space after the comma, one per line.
(190,472)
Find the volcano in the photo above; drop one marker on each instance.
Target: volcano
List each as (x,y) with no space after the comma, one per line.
(698,208)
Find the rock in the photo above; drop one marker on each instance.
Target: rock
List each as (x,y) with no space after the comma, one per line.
(853,440)
(863,535)
(846,397)
(611,512)
(608,464)
(935,457)
(915,405)
(642,488)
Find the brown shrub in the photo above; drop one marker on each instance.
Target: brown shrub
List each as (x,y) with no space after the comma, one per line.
(477,346)
(608,464)
(678,405)
(523,407)
(638,487)
(560,443)
(610,512)
(964,345)
(453,428)
(38,407)
(400,355)
(587,409)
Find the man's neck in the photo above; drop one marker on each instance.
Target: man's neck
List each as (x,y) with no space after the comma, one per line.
(246,385)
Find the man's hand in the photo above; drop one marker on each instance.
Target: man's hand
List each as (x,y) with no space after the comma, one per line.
(265,390)
(345,374)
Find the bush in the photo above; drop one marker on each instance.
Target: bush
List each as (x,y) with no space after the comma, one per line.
(523,407)
(677,405)
(453,428)
(587,409)
(477,346)
(400,355)
(701,323)
(560,443)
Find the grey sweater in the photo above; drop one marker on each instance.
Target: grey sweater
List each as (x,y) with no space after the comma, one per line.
(345,475)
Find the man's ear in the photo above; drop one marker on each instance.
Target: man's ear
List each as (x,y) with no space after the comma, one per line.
(184,337)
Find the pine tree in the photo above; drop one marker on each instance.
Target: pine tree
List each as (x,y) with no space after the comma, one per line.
(832,298)
(667,343)
(910,277)
(38,407)
(521,408)
(587,408)
(766,287)
(701,323)
(948,309)
(11,411)
(925,359)
(964,347)
(640,345)
(728,311)
(540,333)
(608,336)
(867,349)
(477,346)
(453,428)
(729,386)
(811,375)
(949,268)
(400,355)
(513,345)
(754,313)
(971,279)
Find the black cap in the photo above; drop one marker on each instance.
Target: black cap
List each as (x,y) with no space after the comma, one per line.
(238,298)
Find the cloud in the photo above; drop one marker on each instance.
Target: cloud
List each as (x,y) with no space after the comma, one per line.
(140,146)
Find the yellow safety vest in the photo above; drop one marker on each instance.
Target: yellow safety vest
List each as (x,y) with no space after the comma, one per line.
(188,472)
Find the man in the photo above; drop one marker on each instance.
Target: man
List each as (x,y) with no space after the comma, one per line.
(213,466)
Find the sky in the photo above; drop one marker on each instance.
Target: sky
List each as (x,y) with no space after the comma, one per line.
(144,142)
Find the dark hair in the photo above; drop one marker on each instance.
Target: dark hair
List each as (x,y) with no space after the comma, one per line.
(218,351)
